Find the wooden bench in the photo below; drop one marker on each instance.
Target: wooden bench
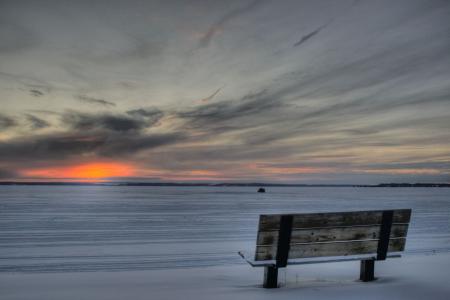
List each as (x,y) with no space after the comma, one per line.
(329,237)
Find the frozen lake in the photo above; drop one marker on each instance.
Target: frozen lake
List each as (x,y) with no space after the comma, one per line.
(111,228)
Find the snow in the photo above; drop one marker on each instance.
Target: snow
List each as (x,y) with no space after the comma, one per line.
(410,277)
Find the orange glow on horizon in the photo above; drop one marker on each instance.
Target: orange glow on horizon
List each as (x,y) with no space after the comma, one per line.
(89,171)
(104,171)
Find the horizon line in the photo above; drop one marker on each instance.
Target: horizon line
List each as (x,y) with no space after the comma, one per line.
(218,184)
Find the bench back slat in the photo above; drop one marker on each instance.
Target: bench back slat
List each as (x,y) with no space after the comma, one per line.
(332,234)
(267,238)
(354,218)
(330,249)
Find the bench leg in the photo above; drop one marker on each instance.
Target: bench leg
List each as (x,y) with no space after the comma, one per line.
(367,272)
(270,277)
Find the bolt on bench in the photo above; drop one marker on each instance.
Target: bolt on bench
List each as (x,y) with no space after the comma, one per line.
(329,237)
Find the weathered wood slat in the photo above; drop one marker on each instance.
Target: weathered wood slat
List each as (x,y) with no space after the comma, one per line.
(268,238)
(329,249)
(272,222)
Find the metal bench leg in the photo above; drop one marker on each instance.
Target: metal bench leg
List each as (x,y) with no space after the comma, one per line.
(367,272)
(270,277)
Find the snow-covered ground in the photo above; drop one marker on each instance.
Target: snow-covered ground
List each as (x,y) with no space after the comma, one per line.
(412,277)
(168,242)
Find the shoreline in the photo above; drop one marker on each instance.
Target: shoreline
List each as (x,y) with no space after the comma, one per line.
(224,184)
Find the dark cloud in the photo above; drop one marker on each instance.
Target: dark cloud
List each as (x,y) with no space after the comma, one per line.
(215,28)
(219,114)
(210,97)
(88,135)
(6,122)
(91,100)
(270,116)
(134,120)
(56,147)
(81,121)
(147,113)
(40,87)
(310,35)
(28,82)
(126,145)
(37,123)
(36,93)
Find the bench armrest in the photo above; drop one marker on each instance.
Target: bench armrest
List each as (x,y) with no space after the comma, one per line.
(305,261)
(254,263)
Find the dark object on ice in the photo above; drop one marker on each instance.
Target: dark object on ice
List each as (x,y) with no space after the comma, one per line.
(367,236)
(261,190)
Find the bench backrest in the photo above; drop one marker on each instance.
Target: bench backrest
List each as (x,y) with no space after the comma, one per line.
(283,237)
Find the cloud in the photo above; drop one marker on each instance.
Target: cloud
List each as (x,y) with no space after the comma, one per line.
(82,121)
(310,35)
(215,115)
(91,100)
(76,145)
(442,166)
(36,93)
(28,81)
(152,115)
(215,28)
(54,146)
(273,114)
(133,120)
(86,136)
(37,123)
(210,97)
(40,87)
(44,111)
(6,122)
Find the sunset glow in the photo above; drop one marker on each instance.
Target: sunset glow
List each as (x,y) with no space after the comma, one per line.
(84,171)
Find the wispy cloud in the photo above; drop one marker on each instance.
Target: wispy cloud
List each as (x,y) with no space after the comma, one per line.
(37,123)
(134,120)
(92,100)
(6,122)
(210,97)
(36,93)
(151,115)
(310,35)
(218,26)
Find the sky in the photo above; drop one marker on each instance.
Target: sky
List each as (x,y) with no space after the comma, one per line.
(240,91)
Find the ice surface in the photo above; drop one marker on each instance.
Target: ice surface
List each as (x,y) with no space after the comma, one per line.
(111,228)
